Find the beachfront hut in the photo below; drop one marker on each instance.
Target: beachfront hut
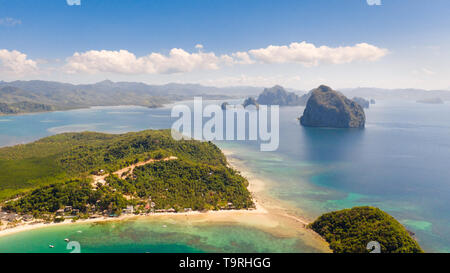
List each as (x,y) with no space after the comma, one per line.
(11,217)
(128,210)
(27,218)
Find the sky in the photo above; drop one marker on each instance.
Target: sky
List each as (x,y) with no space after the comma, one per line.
(299,44)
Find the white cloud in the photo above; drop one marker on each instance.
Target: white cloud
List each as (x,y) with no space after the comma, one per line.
(242,58)
(252,80)
(16,62)
(9,22)
(427,71)
(374,2)
(73,2)
(423,71)
(179,60)
(125,62)
(310,55)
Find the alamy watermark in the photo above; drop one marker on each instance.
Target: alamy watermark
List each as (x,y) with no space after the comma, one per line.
(250,123)
(374,2)
(74,246)
(73,2)
(374,247)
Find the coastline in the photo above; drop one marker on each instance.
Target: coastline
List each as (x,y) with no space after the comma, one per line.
(268,215)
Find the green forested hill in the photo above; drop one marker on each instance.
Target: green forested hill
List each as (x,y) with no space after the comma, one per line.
(38,96)
(350,230)
(41,96)
(198,179)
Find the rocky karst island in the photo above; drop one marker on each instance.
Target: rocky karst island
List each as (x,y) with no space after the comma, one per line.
(277,95)
(363,102)
(329,108)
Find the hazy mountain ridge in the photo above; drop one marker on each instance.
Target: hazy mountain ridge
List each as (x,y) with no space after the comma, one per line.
(36,95)
(63,96)
(400,94)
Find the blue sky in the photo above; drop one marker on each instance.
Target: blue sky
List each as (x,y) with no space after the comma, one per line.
(407,42)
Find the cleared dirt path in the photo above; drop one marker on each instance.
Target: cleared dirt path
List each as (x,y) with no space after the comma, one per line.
(102,178)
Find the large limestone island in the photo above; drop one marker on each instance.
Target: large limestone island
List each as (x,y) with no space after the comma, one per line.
(92,175)
(329,108)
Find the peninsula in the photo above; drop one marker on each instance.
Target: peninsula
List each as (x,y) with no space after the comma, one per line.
(89,175)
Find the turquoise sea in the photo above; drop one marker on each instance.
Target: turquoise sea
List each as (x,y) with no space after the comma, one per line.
(399,163)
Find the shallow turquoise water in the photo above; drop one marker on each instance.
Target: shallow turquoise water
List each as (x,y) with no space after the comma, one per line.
(399,163)
(141,236)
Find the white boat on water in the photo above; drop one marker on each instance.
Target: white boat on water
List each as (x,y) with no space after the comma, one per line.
(51,246)
(67,240)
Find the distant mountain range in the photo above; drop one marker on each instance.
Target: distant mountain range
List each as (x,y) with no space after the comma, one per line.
(398,94)
(36,96)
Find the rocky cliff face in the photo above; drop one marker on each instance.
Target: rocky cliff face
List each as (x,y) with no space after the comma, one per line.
(277,95)
(362,101)
(328,108)
(250,101)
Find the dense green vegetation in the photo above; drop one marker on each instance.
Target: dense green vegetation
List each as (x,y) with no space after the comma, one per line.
(78,194)
(183,184)
(56,171)
(350,230)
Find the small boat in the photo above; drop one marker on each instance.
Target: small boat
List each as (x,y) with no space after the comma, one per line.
(67,240)
(51,246)
(164,226)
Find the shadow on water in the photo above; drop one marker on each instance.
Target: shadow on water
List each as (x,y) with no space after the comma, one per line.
(331,145)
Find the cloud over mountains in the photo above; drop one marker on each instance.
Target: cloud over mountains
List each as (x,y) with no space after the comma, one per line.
(180,61)
(310,55)
(15,62)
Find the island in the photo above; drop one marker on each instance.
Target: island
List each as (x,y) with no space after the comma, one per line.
(329,108)
(351,230)
(92,175)
(277,95)
(362,101)
(250,101)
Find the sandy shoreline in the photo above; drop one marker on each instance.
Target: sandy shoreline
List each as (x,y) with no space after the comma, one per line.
(269,215)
